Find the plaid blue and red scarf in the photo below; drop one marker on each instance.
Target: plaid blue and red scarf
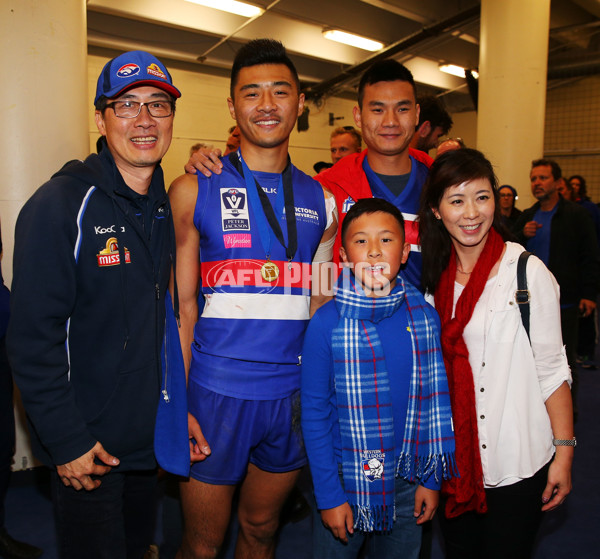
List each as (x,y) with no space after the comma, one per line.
(369,460)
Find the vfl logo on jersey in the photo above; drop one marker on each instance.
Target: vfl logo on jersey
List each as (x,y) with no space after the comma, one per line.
(234,209)
(154,70)
(128,70)
(372,464)
(110,256)
(348,203)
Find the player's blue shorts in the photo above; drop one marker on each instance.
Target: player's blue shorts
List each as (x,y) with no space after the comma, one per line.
(265,433)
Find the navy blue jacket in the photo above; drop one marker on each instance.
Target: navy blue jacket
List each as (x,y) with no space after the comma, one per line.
(574,257)
(4,300)
(85,332)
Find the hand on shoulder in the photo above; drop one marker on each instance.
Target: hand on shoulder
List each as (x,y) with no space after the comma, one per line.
(205,160)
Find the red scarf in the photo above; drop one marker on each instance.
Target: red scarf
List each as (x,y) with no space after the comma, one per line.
(466,492)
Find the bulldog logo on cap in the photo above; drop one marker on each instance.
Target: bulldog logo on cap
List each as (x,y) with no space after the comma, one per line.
(128,70)
(135,68)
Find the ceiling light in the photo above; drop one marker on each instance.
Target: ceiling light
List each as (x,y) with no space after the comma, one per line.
(231,6)
(352,40)
(455,70)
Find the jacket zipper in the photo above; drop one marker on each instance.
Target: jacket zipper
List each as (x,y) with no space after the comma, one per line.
(164,391)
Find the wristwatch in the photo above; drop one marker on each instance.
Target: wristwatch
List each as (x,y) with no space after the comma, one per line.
(565,442)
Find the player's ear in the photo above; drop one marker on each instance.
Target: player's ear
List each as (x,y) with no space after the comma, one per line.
(231,108)
(300,104)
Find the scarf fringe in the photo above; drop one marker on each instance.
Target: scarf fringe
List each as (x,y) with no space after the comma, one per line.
(422,467)
(373,518)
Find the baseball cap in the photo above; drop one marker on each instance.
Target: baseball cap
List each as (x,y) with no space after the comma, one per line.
(132,69)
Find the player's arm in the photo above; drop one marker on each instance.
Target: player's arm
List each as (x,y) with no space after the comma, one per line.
(323,274)
(182,194)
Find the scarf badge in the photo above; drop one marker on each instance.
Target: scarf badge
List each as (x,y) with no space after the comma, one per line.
(372,464)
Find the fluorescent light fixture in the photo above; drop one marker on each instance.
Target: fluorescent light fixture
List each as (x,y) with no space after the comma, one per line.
(465,37)
(352,40)
(231,6)
(455,70)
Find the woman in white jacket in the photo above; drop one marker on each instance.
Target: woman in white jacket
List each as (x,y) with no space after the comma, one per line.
(510,394)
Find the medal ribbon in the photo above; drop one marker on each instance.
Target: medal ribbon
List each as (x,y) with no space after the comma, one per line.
(268,216)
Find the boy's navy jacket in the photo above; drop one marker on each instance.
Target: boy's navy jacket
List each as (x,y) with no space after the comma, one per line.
(91,266)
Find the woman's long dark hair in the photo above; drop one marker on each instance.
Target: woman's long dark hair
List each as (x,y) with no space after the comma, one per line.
(449,169)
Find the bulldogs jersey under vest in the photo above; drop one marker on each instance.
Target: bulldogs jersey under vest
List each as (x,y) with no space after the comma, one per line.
(252,313)
(408,203)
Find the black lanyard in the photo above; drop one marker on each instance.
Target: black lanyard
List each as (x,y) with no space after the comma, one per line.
(290,210)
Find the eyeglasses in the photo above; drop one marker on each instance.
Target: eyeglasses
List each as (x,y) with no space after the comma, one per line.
(506,195)
(131,109)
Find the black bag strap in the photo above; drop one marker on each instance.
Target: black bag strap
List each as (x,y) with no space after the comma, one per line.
(522,295)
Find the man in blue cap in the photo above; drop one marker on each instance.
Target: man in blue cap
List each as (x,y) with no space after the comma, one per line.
(92,262)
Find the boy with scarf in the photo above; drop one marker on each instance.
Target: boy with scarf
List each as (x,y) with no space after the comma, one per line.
(376,412)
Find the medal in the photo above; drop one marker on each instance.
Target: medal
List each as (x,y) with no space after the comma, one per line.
(269,271)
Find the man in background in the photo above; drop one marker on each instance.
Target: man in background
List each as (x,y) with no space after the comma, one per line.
(508,197)
(233,141)
(344,141)
(197,147)
(434,122)
(561,234)
(449,145)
